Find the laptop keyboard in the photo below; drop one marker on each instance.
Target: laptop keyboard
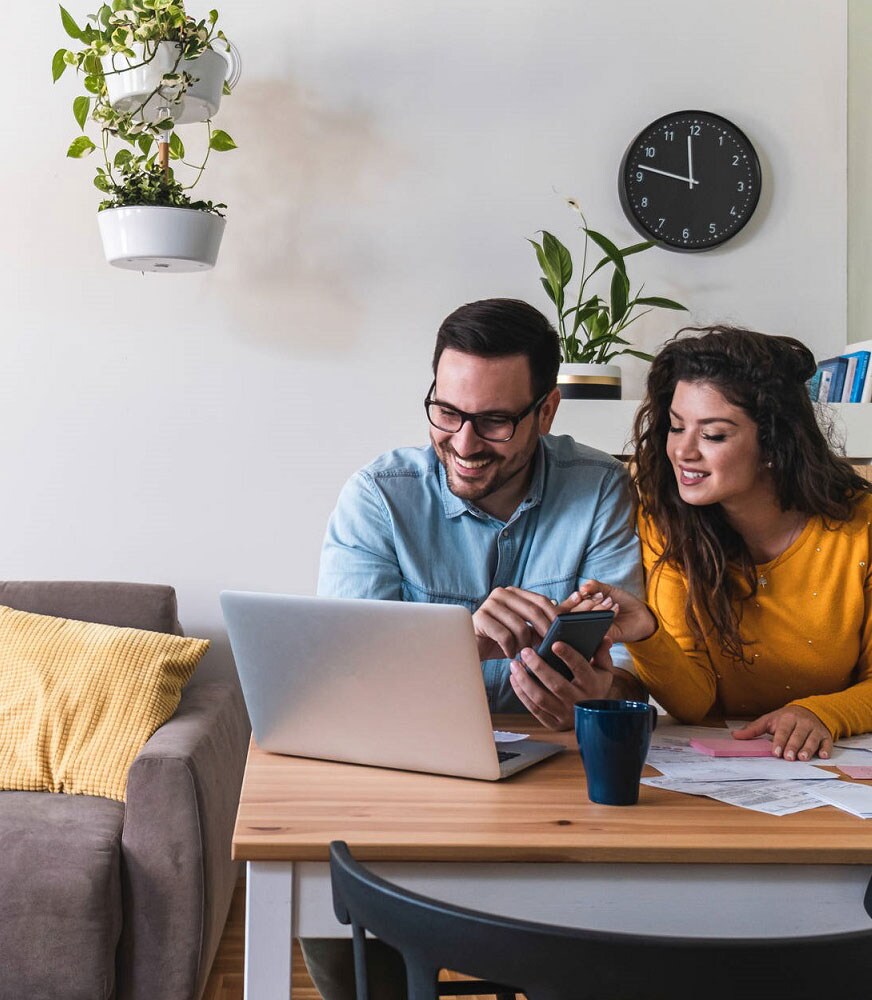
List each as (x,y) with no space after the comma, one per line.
(503,755)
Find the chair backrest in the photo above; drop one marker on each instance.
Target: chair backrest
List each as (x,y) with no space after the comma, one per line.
(555,963)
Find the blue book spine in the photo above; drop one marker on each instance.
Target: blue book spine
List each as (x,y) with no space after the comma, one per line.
(837,366)
(860,374)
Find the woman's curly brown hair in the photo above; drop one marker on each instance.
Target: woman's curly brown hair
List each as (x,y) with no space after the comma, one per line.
(765,376)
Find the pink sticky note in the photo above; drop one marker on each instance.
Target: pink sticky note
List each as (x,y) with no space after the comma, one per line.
(860,771)
(733,748)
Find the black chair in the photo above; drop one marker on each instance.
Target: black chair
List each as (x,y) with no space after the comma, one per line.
(560,963)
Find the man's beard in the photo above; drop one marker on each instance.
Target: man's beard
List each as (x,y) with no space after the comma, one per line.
(499,473)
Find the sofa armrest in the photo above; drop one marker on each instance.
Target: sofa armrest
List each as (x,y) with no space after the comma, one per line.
(177,876)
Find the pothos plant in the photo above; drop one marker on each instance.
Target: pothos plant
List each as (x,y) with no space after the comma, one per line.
(118,38)
(590,326)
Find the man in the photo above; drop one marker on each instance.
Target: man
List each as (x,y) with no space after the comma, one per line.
(495,514)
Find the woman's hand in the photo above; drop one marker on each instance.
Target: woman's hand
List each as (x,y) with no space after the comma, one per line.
(797,733)
(634,620)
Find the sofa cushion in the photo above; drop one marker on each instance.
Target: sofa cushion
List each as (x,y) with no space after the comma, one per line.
(79,700)
(60,904)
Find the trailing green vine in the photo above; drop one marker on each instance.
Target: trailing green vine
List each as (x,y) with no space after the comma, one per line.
(118,38)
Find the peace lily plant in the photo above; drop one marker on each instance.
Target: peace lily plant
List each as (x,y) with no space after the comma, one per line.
(146,67)
(590,326)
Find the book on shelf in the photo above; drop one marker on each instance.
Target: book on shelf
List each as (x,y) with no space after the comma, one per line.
(832,379)
(861,391)
(846,378)
(814,385)
(850,372)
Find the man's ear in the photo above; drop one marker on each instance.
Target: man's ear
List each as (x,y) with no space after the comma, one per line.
(548,410)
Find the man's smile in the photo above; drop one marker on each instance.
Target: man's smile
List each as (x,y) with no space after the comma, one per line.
(472,464)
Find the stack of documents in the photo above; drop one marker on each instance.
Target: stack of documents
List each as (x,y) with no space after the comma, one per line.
(764,784)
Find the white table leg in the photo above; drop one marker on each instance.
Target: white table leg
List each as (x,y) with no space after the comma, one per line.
(269,898)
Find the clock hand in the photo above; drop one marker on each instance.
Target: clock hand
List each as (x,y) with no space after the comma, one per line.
(690,180)
(665,173)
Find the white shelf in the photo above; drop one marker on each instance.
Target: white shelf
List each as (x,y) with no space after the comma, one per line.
(853,425)
(607,424)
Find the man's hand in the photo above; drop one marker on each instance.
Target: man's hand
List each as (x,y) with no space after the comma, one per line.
(552,698)
(511,618)
(797,733)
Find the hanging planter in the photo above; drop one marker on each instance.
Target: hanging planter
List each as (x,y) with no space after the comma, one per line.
(135,85)
(155,238)
(149,67)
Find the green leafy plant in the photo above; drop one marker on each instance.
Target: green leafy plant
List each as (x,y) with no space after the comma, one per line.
(144,183)
(590,329)
(128,34)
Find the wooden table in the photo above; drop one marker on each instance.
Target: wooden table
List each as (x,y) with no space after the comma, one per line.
(534,846)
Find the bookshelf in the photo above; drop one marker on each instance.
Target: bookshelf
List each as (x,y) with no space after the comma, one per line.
(607,424)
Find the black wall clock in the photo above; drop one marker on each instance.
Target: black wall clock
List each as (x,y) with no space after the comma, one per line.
(690,180)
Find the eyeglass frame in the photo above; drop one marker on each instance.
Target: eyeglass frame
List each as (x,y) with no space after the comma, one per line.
(514,418)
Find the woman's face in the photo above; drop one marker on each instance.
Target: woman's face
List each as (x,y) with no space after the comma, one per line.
(713,448)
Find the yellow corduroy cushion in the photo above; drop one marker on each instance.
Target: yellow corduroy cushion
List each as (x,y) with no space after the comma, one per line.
(78,700)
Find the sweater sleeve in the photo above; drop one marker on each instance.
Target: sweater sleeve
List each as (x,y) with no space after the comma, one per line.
(677,672)
(849,712)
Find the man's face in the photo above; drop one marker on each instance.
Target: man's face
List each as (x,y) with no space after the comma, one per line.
(494,475)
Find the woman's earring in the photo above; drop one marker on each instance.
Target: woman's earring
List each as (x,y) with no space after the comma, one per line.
(769,465)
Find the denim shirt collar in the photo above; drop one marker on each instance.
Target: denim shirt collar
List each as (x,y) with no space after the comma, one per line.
(454,506)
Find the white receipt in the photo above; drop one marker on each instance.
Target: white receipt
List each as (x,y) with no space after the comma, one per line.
(863,742)
(847,795)
(706,768)
(502,736)
(777,798)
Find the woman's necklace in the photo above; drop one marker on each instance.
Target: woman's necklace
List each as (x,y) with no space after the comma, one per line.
(791,538)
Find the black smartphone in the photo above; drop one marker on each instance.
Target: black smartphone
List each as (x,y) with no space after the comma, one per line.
(583,630)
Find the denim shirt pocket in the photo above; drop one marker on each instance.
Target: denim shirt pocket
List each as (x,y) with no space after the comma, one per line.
(425,595)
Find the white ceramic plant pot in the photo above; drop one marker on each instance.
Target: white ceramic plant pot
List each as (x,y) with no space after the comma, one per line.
(152,238)
(589,381)
(130,81)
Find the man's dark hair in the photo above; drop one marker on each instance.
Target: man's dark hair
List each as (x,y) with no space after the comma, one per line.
(496,328)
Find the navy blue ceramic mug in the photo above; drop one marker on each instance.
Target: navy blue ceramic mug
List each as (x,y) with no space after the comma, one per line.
(613,739)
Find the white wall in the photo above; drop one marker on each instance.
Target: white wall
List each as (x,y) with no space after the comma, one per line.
(393,158)
(859,174)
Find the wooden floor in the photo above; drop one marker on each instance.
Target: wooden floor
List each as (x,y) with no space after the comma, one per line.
(225,980)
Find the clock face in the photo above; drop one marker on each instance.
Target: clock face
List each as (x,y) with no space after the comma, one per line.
(689,181)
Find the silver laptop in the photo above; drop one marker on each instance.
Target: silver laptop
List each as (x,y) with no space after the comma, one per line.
(369,682)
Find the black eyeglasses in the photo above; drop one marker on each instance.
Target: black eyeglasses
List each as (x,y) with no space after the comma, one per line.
(487,426)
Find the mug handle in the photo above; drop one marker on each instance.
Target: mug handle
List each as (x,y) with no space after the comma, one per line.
(653,711)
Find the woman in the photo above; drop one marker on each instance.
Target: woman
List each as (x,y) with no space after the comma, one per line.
(756,539)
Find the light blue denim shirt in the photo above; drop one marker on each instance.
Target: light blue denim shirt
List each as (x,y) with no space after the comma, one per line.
(398,533)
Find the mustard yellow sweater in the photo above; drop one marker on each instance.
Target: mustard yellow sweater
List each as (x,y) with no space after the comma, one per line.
(811,623)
